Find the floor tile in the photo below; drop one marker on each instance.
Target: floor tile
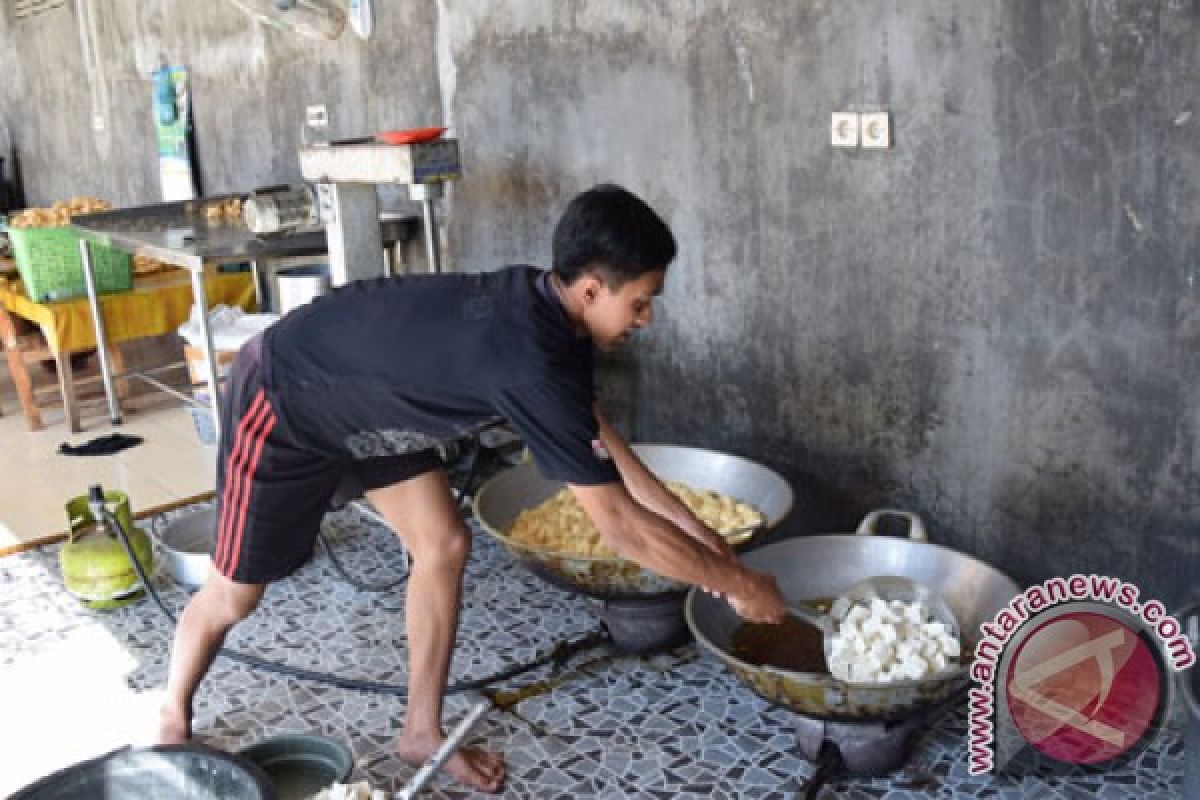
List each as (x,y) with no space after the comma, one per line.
(674,725)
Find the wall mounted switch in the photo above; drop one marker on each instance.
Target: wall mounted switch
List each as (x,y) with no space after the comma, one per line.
(845,129)
(316,116)
(876,132)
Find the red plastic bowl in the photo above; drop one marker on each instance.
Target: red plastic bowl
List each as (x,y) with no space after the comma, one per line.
(410,136)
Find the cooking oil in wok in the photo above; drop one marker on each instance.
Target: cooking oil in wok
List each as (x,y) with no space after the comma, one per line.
(793,644)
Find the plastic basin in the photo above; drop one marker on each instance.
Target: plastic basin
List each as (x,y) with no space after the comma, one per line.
(300,764)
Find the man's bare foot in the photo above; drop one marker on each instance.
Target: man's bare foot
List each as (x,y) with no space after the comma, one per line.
(474,767)
(173,727)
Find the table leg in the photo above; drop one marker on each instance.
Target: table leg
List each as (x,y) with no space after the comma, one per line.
(66,384)
(210,363)
(89,280)
(20,374)
(118,363)
(256,274)
(433,249)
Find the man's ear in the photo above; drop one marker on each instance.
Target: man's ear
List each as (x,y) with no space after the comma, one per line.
(589,286)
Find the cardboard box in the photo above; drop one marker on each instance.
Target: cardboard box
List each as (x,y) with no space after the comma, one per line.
(195,363)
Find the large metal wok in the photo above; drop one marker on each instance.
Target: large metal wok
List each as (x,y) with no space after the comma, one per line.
(502,498)
(820,567)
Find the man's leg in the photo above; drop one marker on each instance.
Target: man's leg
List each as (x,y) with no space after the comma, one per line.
(218,606)
(422,512)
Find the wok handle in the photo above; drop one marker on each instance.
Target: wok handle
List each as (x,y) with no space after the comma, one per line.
(916,528)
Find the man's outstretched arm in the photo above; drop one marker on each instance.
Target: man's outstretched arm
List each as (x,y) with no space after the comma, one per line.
(649,492)
(656,543)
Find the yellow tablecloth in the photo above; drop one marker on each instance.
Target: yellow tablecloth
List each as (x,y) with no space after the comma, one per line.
(157,304)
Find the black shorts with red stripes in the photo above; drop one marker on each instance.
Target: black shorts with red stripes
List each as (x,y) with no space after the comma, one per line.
(272,491)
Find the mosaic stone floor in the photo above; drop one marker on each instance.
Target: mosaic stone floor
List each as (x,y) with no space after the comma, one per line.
(670,726)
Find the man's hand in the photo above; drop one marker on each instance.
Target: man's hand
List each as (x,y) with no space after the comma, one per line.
(758,599)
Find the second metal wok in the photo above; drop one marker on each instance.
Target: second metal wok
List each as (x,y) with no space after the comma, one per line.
(824,566)
(501,499)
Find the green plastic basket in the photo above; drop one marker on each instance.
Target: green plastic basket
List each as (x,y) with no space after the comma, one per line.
(49,263)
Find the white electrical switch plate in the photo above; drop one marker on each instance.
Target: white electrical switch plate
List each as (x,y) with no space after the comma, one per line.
(876,130)
(98,123)
(316,116)
(845,129)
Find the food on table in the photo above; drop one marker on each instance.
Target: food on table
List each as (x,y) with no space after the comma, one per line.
(145,265)
(886,641)
(560,525)
(58,214)
(228,210)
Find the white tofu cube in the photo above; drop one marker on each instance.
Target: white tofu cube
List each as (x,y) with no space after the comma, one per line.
(884,652)
(839,608)
(839,667)
(856,615)
(879,607)
(951,647)
(914,668)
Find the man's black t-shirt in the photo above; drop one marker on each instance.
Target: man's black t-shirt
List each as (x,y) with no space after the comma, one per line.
(391,366)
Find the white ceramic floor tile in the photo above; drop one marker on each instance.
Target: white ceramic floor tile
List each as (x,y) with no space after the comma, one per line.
(36,480)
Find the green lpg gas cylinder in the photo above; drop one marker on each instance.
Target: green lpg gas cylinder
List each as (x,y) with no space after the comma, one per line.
(95,567)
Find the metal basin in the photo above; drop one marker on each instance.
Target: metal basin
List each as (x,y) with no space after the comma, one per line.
(188,541)
(501,499)
(169,772)
(824,566)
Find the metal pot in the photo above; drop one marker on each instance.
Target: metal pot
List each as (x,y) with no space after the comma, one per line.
(188,542)
(826,565)
(501,499)
(165,772)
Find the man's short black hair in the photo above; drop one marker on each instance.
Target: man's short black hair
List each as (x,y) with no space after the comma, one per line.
(611,230)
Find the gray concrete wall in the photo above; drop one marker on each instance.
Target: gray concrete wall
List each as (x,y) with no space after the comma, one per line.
(994,323)
(249,86)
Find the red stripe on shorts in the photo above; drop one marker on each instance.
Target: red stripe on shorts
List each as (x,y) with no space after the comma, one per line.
(239,523)
(233,472)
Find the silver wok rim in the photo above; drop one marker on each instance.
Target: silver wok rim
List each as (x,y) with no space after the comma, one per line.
(786,492)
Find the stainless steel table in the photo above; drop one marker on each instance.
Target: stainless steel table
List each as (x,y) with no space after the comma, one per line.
(180,234)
